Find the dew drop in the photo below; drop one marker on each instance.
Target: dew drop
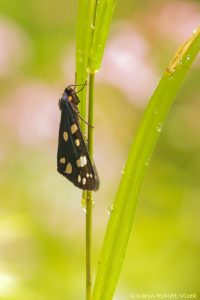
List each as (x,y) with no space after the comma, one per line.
(92,204)
(147,162)
(170,73)
(187,59)
(158,81)
(159,127)
(83,204)
(110,209)
(123,170)
(195,30)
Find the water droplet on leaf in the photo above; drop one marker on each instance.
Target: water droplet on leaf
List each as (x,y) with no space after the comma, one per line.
(187,59)
(110,209)
(147,162)
(83,204)
(159,127)
(123,170)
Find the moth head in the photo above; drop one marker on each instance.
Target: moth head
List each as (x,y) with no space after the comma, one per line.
(69,90)
(71,95)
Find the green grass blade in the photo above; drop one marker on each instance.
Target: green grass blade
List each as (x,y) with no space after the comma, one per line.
(85,18)
(93,24)
(102,20)
(120,223)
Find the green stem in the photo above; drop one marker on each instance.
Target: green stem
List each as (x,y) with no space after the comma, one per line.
(89,198)
(88,244)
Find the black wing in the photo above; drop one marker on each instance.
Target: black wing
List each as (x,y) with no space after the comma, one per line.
(73,160)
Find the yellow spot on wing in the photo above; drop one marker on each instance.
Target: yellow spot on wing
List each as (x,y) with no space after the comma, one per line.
(77,142)
(65,136)
(68,168)
(74,128)
(62,160)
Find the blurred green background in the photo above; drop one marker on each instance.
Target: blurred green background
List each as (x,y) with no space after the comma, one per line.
(42,254)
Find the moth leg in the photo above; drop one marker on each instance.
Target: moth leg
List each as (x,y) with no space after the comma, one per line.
(84,121)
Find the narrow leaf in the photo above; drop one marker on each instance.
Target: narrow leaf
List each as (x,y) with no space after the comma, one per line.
(102,19)
(85,18)
(120,223)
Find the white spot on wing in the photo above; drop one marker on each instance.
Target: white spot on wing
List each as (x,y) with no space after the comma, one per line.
(81,162)
(79,178)
(84,180)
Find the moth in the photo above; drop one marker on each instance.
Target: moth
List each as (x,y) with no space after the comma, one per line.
(73,160)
